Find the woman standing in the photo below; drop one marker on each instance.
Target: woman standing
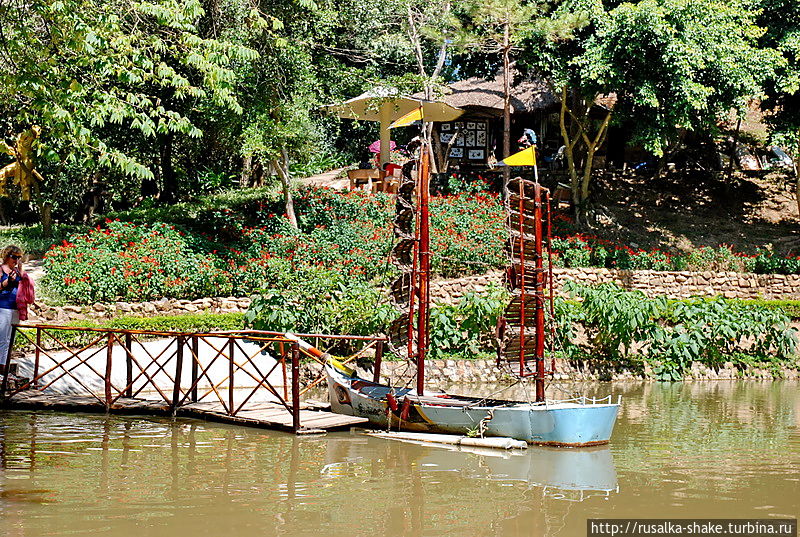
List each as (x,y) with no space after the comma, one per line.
(10,276)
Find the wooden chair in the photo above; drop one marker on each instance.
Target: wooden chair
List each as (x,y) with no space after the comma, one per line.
(562,197)
(391,183)
(366,178)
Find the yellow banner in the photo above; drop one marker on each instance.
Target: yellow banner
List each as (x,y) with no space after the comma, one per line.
(408,119)
(526,157)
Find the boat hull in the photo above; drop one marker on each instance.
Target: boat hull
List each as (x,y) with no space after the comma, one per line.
(558,424)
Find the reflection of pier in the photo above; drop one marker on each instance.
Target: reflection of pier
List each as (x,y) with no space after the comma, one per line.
(230,376)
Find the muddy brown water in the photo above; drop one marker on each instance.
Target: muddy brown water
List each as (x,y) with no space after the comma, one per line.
(703,449)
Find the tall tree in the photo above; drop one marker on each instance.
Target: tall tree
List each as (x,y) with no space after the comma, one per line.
(674,65)
(108,81)
(781,19)
(498,27)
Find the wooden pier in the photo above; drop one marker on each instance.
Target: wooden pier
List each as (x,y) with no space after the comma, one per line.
(228,377)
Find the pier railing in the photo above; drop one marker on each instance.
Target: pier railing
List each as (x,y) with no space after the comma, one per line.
(174,369)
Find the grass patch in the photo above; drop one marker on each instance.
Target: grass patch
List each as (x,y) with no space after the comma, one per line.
(201,322)
(32,240)
(186,213)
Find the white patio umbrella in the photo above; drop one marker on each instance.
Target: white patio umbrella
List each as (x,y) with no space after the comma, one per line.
(385,105)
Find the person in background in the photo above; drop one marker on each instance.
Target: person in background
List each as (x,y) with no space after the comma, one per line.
(11,274)
(527,139)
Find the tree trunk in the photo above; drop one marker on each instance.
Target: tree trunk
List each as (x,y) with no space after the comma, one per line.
(733,149)
(797,171)
(569,145)
(246,176)
(170,189)
(591,148)
(506,98)
(282,169)
(46,211)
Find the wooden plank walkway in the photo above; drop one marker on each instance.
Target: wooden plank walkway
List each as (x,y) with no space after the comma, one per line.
(265,415)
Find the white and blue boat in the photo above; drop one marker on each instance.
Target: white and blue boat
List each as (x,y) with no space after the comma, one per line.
(575,423)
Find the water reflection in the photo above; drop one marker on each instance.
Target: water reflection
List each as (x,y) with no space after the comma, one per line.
(562,474)
(711,451)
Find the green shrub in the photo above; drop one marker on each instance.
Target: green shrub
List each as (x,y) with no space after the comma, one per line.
(130,262)
(617,318)
(200,322)
(712,331)
(321,301)
(672,334)
(31,239)
(465,329)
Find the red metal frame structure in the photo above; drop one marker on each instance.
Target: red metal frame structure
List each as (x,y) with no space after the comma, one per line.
(528,209)
(141,369)
(423,275)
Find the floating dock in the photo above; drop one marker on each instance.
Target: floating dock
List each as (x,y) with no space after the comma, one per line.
(250,378)
(263,415)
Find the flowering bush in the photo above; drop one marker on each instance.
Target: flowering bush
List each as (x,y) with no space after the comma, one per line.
(467,233)
(130,262)
(348,232)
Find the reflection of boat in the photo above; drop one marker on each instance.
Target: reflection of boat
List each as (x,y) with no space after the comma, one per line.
(562,474)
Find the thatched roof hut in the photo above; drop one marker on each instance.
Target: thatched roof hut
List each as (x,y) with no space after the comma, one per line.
(482,97)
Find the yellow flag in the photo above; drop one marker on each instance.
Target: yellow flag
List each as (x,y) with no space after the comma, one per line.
(526,157)
(408,119)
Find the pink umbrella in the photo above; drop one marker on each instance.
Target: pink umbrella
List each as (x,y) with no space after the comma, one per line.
(375,147)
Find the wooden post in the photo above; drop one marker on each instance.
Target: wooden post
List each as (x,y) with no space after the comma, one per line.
(176,390)
(230,376)
(129,365)
(424,252)
(195,359)
(107,378)
(8,362)
(283,368)
(37,353)
(296,386)
(376,373)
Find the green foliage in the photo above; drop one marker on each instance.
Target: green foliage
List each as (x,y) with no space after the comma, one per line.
(117,64)
(465,328)
(790,308)
(617,318)
(318,301)
(673,334)
(201,322)
(32,240)
(468,233)
(712,331)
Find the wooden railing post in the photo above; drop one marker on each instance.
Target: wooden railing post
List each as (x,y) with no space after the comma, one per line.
(230,375)
(107,376)
(376,373)
(128,365)
(37,353)
(176,390)
(4,384)
(283,368)
(295,386)
(195,359)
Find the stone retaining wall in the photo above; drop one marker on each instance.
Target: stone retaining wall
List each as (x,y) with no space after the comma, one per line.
(650,282)
(445,372)
(166,306)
